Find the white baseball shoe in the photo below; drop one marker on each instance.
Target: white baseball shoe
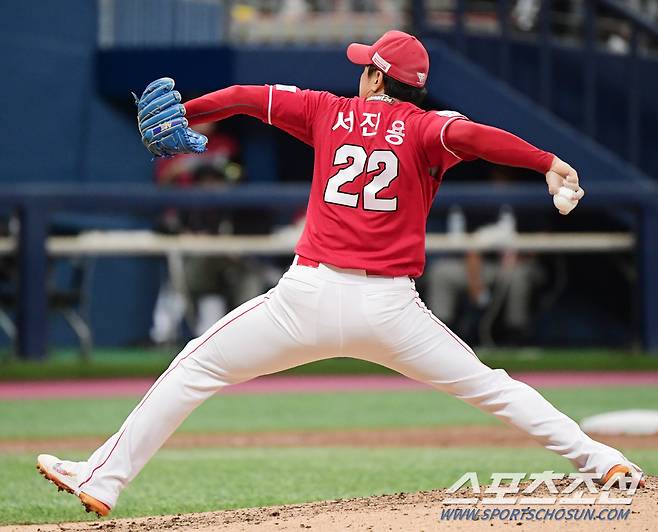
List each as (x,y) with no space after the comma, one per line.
(64,475)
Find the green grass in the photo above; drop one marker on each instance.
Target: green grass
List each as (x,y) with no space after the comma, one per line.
(105,363)
(309,411)
(151,362)
(195,480)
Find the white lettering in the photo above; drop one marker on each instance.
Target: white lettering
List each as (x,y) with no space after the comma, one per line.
(368,121)
(346,123)
(395,134)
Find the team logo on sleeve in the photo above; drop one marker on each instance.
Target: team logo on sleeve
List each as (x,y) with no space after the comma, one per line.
(287,88)
(448,114)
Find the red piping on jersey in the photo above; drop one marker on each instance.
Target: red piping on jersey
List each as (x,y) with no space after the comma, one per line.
(161,379)
(443,133)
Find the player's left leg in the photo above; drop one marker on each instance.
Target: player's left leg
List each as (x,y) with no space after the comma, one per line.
(423,348)
(272,332)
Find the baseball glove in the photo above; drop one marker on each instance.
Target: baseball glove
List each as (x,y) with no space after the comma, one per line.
(162,123)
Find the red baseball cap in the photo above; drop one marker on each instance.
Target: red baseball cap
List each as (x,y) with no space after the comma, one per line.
(397,54)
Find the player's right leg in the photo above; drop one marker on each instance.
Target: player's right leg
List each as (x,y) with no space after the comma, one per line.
(270,333)
(423,348)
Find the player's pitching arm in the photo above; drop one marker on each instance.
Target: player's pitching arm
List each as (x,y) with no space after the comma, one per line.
(471,140)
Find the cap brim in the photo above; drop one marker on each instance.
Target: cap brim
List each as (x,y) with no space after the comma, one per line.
(359,54)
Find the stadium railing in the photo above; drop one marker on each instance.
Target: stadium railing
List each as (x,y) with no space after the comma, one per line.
(36,204)
(587,30)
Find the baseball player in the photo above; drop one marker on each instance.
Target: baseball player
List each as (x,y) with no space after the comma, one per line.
(379,161)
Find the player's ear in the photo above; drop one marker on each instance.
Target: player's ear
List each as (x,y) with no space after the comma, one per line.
(379,79)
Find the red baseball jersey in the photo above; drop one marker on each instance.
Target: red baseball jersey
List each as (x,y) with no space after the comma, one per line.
(378,166)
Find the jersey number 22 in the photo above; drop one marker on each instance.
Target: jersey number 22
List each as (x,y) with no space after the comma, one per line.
(383,160)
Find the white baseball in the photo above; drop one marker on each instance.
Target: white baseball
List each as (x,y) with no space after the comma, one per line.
(563,200)
(567,193)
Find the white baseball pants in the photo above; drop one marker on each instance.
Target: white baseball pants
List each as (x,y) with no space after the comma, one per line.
(317,313)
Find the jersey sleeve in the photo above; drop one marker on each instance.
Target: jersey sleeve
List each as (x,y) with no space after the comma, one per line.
(495,145)
(432,133)
(218,105)
(284,106)
(294,110)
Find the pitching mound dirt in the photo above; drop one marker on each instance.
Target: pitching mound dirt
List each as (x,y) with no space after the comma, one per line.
(402,512)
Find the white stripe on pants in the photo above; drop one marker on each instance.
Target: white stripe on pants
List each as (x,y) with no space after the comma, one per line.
(316,313)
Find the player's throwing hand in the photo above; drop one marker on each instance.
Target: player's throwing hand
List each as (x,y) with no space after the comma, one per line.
(563,185)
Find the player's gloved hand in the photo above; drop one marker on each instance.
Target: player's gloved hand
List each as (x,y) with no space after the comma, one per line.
(162,124)
(563,185)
